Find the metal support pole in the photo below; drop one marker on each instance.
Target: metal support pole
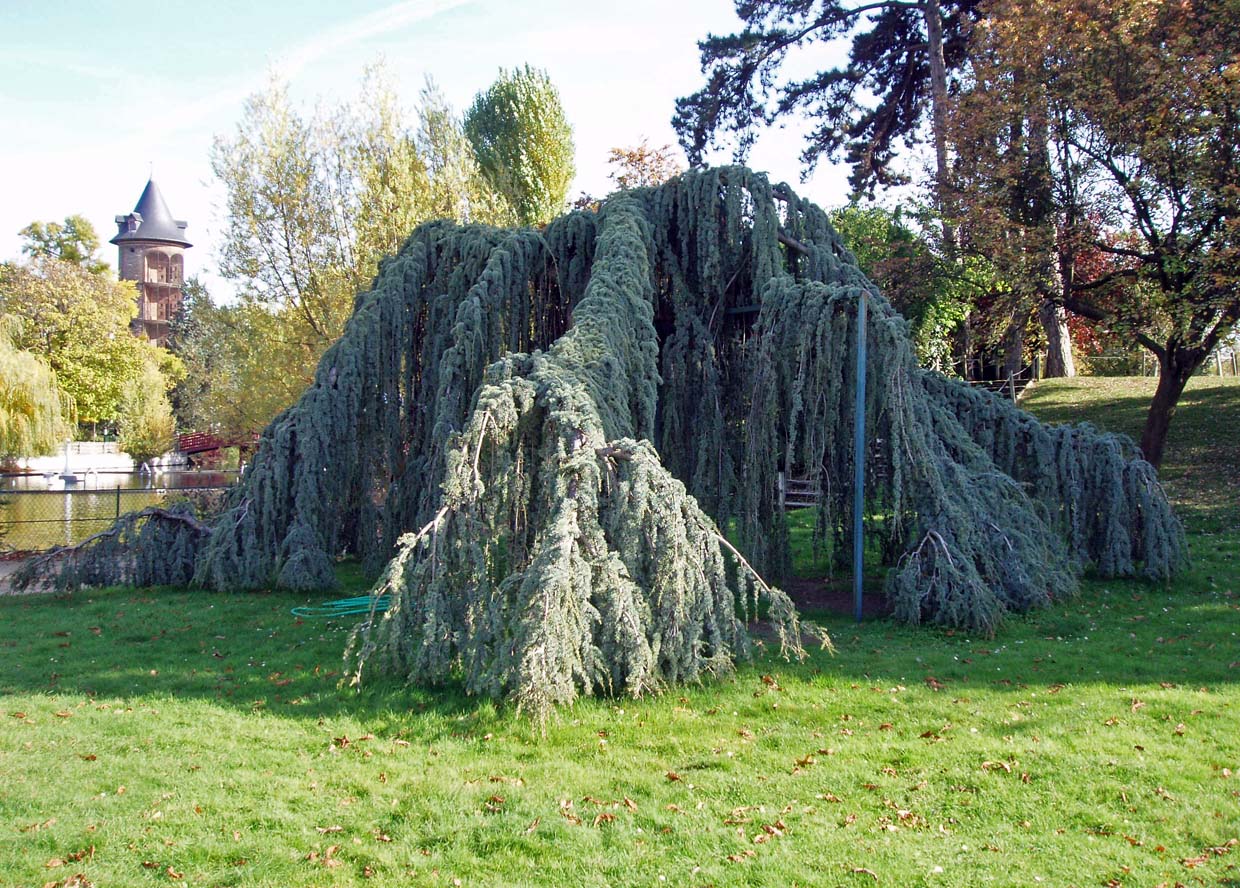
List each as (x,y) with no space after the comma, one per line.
(859,460)
(118,501)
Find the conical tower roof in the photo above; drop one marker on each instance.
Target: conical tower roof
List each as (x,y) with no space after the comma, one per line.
(150,221)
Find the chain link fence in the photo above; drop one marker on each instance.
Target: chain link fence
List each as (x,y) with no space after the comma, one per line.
(37,520)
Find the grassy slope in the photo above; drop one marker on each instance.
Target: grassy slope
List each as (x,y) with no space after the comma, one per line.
(1201,466)
(1117,713)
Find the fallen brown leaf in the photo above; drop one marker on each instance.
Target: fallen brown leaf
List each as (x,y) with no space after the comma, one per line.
(329,856)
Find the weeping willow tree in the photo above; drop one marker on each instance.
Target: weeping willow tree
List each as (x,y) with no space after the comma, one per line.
(33,409)
(532,437)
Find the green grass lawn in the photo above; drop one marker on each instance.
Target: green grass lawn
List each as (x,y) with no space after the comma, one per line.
(169,737)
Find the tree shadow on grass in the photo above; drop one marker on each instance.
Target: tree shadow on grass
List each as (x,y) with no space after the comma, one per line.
(244,652)
(248,653)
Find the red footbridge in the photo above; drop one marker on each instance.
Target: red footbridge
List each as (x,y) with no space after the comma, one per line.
(196,443)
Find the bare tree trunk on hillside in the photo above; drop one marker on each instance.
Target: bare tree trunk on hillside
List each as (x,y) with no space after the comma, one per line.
(1176,368)
(1059,363)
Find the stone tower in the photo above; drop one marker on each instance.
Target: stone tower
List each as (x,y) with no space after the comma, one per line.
(152,249)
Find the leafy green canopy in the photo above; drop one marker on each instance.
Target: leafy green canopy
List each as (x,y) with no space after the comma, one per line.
(75,241)
(77,322)
(539,433)
(861,109)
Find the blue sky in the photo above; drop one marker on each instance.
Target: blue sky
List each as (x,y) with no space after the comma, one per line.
(92,95)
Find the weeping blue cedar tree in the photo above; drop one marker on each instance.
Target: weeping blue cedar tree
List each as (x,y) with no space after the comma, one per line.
(533,438)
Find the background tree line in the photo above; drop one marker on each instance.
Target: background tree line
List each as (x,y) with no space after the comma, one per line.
(1084,160)
(1080,174)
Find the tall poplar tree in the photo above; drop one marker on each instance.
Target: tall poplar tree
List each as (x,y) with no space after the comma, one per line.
(524,143)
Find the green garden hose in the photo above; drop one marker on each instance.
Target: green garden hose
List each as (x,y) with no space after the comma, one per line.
(343,607)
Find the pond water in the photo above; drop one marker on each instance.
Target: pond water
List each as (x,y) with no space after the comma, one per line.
(124,480)
(37,512)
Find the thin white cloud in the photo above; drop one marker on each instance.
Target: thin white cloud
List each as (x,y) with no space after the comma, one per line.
(24,58)
(321,46)
(378,23)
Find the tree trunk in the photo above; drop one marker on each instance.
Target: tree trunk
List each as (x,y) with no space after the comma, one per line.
(938,119)
(1059,363)
(964,347)
(1177,366)
(1013,349)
